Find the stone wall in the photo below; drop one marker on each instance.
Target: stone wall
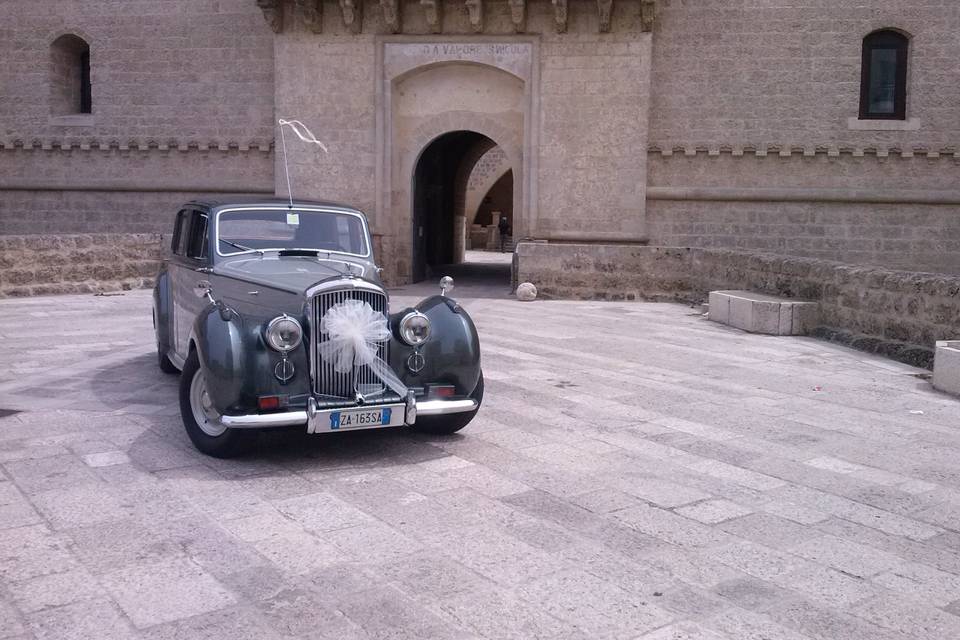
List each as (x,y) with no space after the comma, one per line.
(568,109)
(755,141)
(788,73)
(182,94)
(897,306)
(81,263)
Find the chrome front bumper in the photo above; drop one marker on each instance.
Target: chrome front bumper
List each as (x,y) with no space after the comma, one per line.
(313,416)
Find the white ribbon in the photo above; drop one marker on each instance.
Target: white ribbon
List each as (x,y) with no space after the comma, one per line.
(354,329)
(302,132)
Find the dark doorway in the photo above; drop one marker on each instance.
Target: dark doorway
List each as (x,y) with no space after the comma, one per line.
(439,182)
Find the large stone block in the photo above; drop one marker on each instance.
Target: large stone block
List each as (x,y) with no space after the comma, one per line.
(946,366)
(760,313)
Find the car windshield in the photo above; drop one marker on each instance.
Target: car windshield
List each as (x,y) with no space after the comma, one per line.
(264,229)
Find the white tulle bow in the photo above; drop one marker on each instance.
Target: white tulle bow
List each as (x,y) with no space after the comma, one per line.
(353,329)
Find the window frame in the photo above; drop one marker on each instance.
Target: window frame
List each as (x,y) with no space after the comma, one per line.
(880,40)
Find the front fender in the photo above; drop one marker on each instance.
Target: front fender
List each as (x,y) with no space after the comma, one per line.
(218,338)
(240,367)
(451,355)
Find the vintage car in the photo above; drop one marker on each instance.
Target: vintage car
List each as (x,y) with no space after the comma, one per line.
(275,314)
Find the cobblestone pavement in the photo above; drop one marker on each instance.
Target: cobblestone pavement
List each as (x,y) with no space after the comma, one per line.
(635,472)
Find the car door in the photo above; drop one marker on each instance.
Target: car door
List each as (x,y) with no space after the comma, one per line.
(190,266)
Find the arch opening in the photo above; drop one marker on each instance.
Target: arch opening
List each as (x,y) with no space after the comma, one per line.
(70,86)
(441,223)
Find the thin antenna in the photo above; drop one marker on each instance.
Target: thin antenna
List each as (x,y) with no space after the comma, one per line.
(306,135)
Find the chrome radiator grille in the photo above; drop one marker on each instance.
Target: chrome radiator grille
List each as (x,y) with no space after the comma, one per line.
(330,385)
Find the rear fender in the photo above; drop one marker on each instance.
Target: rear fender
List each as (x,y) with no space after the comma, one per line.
(161,310)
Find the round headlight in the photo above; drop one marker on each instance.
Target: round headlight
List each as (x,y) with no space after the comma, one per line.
(284,333)
(415,328)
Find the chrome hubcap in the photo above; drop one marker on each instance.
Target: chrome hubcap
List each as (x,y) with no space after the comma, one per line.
(203,412)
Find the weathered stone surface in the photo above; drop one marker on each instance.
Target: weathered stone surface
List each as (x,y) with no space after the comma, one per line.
(946,367)
(759,313)
(43,265)
(895,308)
(526,292)
(612,485)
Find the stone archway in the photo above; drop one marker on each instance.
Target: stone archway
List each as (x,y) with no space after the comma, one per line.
(438,221)
(435,90)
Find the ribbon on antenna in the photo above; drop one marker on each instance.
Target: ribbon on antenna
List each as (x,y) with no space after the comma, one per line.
(302,132)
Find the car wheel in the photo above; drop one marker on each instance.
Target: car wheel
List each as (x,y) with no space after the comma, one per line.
(202,421)
(453,422)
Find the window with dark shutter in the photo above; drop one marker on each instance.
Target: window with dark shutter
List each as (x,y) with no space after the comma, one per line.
(883,80)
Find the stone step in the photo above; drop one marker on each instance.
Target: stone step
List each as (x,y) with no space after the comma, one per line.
(761,313)
(946,366)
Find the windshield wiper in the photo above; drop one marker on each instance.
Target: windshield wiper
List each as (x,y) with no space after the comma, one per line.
(240,246)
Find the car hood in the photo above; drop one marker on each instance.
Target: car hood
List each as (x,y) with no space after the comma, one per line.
(293,273)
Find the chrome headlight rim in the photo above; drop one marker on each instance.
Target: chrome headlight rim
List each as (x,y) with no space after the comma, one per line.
(402,329)
(270,335)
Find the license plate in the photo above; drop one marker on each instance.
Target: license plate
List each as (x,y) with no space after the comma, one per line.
(352,418)
(360,418)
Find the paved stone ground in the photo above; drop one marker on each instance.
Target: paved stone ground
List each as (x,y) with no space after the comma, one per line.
(635,472)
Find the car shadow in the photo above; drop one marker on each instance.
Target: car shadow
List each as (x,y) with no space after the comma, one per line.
(150,397)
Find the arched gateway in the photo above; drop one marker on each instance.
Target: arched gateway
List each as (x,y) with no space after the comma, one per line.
(409,96)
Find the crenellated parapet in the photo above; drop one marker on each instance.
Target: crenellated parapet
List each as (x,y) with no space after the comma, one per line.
(351,13)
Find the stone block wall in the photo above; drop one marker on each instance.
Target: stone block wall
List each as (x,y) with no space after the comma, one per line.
(756,142)
(788,73)
(182,94)
(80,263)
(897,306)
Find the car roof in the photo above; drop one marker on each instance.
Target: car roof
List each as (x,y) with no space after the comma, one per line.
(272,201)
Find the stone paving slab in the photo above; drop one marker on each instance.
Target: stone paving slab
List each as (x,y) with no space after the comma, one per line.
(635,472)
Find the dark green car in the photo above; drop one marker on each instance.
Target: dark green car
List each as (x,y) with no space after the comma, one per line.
(276,316)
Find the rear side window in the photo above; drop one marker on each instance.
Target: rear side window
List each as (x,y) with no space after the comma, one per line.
(197,242)
(179,233)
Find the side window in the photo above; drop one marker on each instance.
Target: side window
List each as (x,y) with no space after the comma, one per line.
(883,80)
(197,242)
(179,233)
